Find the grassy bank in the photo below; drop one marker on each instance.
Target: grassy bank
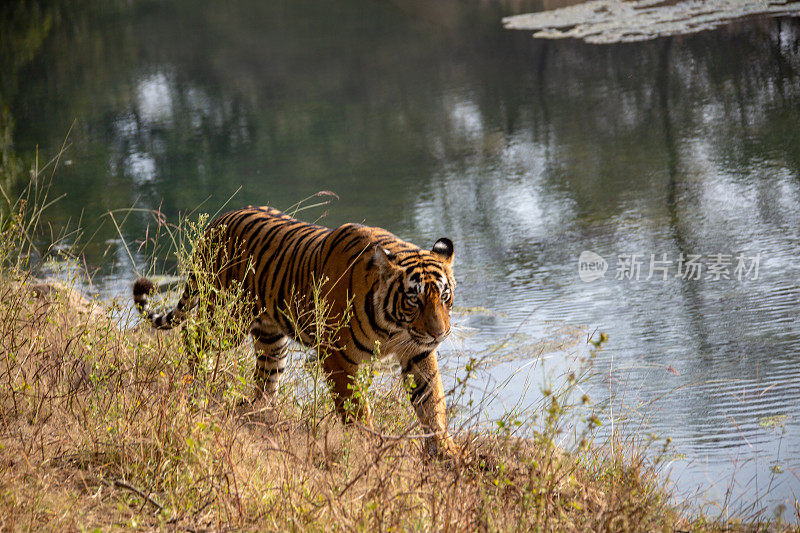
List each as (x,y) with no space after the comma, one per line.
(104,427)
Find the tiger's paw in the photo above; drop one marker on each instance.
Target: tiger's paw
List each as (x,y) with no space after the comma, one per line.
(264,398)
(445,451)
(451,455)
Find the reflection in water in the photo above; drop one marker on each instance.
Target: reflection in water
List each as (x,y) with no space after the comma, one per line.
(436,122)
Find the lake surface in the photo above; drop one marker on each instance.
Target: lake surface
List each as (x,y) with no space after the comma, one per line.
(680,154)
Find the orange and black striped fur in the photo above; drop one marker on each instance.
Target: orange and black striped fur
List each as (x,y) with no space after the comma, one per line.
(397,294)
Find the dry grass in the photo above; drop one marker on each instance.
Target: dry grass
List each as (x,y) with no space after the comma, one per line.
(103,427)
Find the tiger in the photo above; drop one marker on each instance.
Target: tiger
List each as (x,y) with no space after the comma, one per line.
(397,296)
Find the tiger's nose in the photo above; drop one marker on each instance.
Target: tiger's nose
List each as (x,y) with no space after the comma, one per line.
(440,335)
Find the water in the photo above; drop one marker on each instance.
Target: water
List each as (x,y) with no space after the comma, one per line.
(431,120)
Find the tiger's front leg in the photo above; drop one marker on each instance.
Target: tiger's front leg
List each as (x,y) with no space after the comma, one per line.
(427,397)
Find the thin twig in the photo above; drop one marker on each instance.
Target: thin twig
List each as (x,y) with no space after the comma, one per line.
(121,483)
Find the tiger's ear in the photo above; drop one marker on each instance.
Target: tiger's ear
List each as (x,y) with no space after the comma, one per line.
(384,259)
(444,249)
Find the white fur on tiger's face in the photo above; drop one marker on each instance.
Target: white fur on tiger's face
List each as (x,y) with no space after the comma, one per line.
(418,293)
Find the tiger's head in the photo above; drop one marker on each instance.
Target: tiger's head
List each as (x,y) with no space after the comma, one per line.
(419,291)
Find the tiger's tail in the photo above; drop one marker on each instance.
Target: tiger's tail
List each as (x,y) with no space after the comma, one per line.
(143,288)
